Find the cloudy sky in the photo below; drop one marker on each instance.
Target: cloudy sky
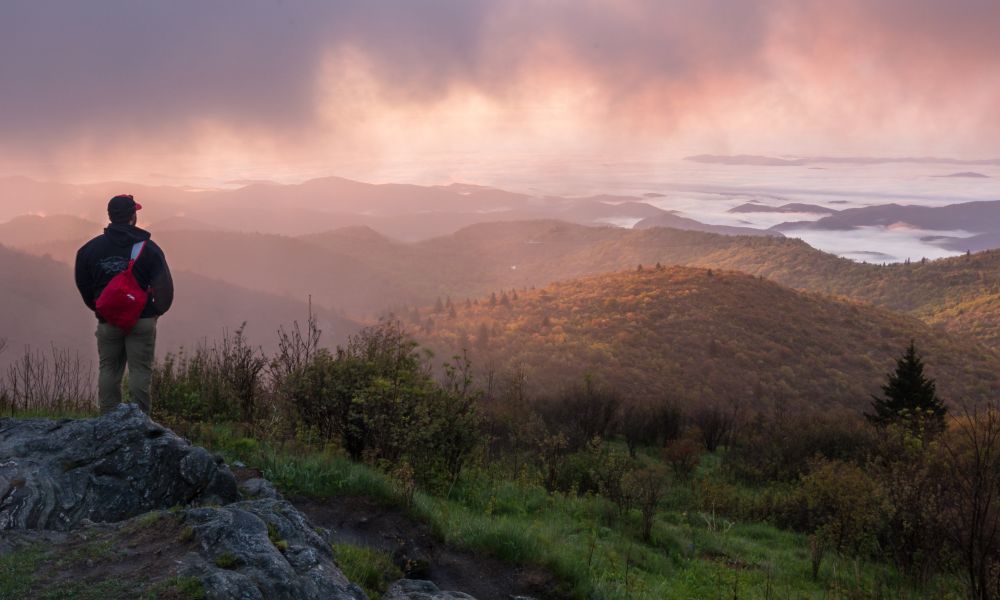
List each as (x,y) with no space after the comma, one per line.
(239,88)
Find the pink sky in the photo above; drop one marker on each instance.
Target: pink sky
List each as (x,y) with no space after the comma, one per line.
(118,89)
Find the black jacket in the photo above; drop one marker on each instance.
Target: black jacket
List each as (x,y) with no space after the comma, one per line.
(103,257)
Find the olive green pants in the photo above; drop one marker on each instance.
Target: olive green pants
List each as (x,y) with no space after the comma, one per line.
(116,349)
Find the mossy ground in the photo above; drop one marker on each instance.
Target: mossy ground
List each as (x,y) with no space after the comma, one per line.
(136,560)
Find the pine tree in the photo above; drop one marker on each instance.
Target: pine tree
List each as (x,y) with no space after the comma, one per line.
(910,397)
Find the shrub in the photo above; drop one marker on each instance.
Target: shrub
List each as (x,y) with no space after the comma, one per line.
(650,424)
(715,424)
(582,412)
(843,507)
(377,399)
(781,449)
(684,454)
(646,487)
(192,388)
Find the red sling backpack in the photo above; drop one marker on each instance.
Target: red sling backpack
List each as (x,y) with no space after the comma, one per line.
(123,299)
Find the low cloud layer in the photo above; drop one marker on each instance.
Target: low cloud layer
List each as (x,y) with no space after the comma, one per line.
(202,86)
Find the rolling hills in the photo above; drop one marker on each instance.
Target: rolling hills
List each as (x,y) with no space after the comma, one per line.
(698,336)
(363,272)
(402,211)
(41,307)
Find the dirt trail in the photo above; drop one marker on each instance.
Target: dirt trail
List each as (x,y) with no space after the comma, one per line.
(421,555)
(360,521)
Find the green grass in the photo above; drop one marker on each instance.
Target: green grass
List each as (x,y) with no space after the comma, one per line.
(583,541)
(371,569)
(17,572)
(18,580)
(189,588)
(226,561)
(34,572)
(297,472)
(6,412)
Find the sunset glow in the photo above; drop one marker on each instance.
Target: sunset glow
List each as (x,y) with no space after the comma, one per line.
(296,89)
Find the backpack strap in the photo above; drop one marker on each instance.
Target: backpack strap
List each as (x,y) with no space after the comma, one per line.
(137,249)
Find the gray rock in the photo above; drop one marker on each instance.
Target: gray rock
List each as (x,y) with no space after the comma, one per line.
(259,488)
(415,589)
(54,474)
(94,476)
(263,549)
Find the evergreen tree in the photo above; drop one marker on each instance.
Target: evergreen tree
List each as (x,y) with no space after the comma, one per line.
(909,397)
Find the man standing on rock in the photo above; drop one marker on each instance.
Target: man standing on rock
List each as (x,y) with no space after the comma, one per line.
(98,262)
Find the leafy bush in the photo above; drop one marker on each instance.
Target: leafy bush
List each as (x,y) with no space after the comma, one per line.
(843,507)
(781,449)
(377,399)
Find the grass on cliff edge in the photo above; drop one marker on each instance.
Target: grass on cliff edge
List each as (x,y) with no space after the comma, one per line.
(582,541)
(21,577)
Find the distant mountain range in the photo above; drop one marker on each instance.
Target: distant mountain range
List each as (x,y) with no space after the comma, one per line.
(966,175)
(659,330)
(403,212)
(363,272)
(757,160)
(791,207)
(979,218)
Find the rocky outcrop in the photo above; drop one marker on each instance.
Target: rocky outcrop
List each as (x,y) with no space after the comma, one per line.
(54,474)
(94,477)
(416,589)
(97,490)
(262,549)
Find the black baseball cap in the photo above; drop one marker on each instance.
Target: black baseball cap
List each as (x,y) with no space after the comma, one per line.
(122,207)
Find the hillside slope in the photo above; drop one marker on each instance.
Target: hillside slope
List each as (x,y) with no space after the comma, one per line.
(364,272)
(41,307)
(698,336)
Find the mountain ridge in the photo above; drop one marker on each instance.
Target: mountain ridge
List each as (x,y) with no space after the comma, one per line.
(701,336)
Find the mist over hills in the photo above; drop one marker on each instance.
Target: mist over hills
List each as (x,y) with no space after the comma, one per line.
(976,217)
(758,160)
(35,230)
(401,211)
(363,272)
(697,336)
(672,331)
(41,307)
